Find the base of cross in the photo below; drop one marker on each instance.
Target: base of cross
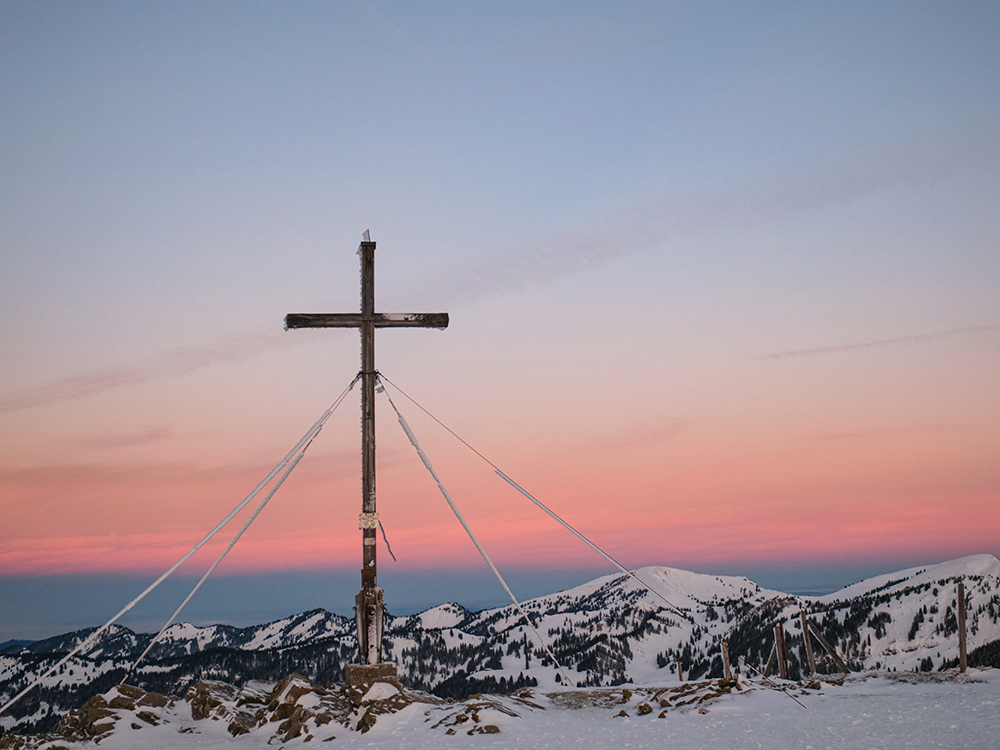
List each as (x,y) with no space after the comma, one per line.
(363,676)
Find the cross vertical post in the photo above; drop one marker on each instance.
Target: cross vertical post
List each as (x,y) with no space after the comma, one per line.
(369,603)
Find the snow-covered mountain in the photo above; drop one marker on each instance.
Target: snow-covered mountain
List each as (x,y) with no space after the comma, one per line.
(609,631)
(184,639)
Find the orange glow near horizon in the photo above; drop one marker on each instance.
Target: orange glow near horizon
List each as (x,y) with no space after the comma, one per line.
(750,511)
(743,466)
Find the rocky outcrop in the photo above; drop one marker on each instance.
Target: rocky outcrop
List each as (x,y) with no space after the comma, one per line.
(91,722)
(293,708)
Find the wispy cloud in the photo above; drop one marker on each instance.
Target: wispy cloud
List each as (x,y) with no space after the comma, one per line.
(171,363)
(659,432)
(632,229)
(644,434)
(127,440)
(393,29)
(920,338)
(872,434)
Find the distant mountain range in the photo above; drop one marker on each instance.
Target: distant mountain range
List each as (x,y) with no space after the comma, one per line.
(606,632)
(4,645)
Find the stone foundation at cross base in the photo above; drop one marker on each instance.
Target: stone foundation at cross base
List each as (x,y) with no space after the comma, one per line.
(363,676)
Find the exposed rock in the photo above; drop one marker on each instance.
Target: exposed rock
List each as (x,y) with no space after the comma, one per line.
(88,722)
(206,696)
(120,701)
(242,723)
(290,689)
(293,709)
(150,699)
(291,727)
(130,691)
(366,722)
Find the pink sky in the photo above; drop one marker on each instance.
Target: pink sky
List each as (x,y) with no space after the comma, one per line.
(649,493)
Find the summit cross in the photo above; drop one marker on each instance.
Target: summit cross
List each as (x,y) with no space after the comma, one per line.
(369,603)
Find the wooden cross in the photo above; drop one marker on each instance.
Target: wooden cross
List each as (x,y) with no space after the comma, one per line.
(369,604)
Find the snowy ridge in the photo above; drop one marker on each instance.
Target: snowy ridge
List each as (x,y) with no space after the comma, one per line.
(181,639)
(606,632)
(448,615)
(963,567)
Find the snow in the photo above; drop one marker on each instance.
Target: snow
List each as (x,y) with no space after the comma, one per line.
(443,616)
(973,565)
(379,692)
(883,712)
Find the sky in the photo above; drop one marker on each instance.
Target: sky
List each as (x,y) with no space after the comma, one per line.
(722,283)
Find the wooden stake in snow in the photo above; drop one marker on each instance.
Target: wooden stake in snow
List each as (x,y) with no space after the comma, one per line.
(771,659)
(779,640)
(829,649)
(369,602)
(808,642)
(725,661)
(963,661)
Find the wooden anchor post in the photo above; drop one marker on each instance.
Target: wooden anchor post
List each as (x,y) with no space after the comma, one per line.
(963,659)
(808,642)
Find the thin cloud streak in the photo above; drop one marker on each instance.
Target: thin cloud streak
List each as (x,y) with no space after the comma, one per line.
(393,29)
(881,343)
(838,437)
(652,223)
(645,434)
(145,437)
(180,361)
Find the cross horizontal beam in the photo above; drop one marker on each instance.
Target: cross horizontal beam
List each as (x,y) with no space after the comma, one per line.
(354,320)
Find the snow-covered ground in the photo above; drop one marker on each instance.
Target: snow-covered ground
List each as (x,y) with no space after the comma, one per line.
(868,711)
